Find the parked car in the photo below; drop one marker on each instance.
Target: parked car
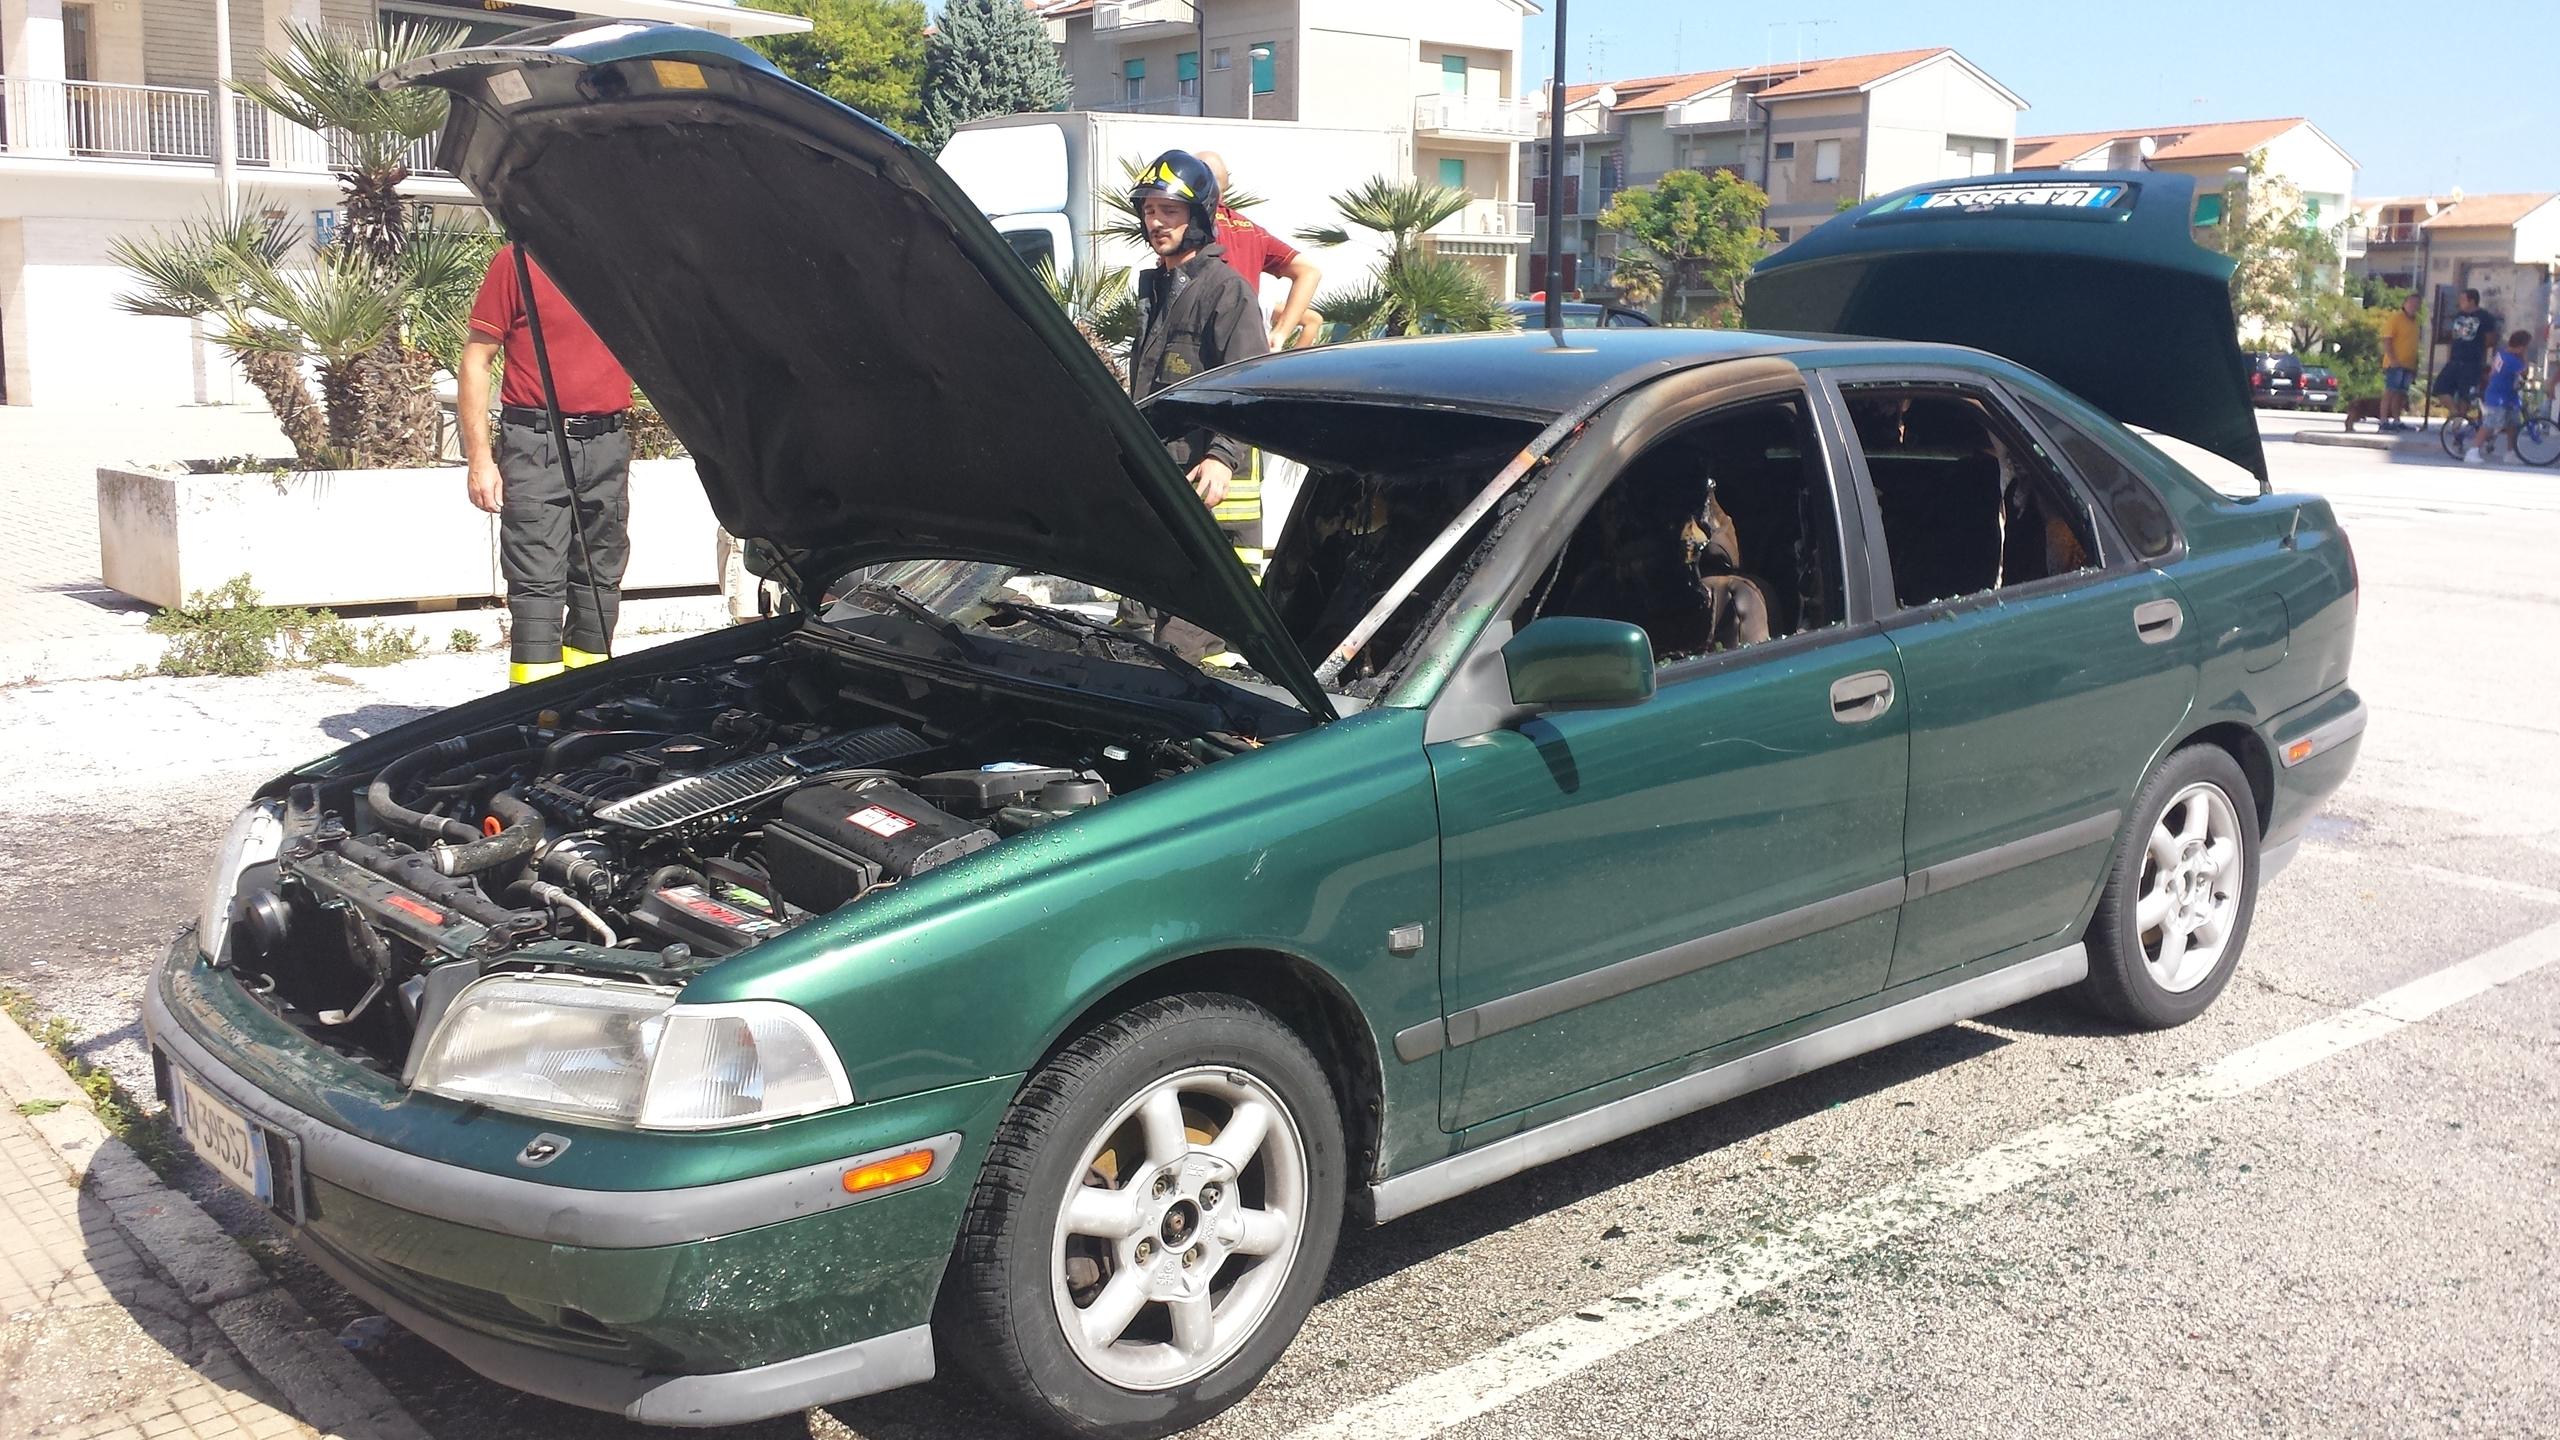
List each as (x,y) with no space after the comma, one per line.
(2275,381)
(1579,315)
(941,975)
(2319,388)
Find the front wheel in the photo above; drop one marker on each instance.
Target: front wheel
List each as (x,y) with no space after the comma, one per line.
(1153,1222)
(2176,908)
(2538,441)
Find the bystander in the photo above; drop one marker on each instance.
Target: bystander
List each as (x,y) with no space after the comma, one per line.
(2399,360)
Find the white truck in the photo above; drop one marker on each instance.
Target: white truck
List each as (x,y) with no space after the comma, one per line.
(1051,182)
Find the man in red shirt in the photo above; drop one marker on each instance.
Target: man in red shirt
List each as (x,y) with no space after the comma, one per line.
(550,566)
(1256,252)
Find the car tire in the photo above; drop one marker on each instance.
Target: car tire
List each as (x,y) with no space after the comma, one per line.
(2180,891)
(1036,1288)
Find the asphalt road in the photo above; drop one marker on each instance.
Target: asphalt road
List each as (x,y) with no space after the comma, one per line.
(2325,1208)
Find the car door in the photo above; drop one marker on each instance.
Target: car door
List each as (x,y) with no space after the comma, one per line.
(1624,887)
(2043,662)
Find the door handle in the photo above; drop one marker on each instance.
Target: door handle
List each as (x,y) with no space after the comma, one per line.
(1856,699)
(2158,621)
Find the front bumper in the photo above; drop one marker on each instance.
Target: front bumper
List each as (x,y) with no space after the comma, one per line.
(701,1304)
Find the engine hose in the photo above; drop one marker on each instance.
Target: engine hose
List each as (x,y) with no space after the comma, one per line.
(512,845)
(443,754)
(415,871)
(546,891)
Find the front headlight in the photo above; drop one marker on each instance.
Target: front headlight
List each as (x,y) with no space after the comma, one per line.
(611,1052)
(255,839)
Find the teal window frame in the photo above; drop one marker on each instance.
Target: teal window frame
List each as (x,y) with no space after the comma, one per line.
(1186,66)
(2208,209)
(1453,74)
(1266,67)
(1449,163)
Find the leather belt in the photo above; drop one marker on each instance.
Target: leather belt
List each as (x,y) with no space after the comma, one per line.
(576,427)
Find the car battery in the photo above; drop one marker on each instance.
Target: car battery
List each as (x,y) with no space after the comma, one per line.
(693,915)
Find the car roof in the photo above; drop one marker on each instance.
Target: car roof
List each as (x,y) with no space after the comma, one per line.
(1520,372)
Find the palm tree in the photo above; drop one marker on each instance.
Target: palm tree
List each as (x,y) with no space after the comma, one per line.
(323,81)
(1103,308)
(1638,278)
(1412,288)
(337,313)
(197,272)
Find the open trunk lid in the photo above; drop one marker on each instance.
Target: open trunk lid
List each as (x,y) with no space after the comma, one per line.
(2093,279)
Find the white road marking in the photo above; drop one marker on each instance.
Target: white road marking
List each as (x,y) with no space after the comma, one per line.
(1599,1332)
(2513,888)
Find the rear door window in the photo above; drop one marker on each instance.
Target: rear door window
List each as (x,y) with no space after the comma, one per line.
(1968,502)
(2121,491)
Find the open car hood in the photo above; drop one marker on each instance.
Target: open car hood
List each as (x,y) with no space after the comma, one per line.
(2093,279)
(861,369)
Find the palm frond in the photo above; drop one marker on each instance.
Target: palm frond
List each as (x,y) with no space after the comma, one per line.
(335,311)
(323,80)
(194,269)
(1399,209)
(1323,235)
(1438,293)
(1359,313)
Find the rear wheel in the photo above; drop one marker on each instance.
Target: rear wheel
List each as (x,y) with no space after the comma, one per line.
(2175,912)
(1153,1222)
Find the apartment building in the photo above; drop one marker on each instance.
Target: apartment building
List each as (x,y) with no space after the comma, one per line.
(2291,149)
(2507,247)
(1443,74)
(1815,134)
(110,116)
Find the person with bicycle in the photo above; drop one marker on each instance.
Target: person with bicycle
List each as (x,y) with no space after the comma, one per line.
(2471,332)
(2501,400)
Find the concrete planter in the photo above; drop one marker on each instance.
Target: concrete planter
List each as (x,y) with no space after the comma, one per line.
(362,537)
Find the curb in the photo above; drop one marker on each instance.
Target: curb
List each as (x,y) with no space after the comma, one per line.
(2413,445)
(321,1383)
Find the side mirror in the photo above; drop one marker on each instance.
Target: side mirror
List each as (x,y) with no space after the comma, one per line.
(1572,662)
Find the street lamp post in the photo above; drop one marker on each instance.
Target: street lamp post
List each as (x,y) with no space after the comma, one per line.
(1258,52)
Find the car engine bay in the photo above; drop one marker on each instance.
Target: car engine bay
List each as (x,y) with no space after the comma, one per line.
(657,827)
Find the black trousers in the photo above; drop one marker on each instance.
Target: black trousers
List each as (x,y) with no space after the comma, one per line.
(538,550)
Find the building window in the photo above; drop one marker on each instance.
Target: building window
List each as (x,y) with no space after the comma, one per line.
(1265,76)
(1826,160)
(1133,80)
(1453,173)
(1186,74)
(1453,74)
(1222,58)
(2310,209)
(1784,150)
(1969,155)
(2208,209)
(1784,233)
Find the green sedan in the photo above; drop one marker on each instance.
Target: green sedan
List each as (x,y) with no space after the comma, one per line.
(974,968)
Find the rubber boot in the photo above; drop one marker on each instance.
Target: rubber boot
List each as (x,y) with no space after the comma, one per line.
(574,658)
(521,673)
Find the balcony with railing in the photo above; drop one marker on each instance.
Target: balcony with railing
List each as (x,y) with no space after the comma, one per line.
(1160,105)
(1710,112)
(1133,22)
(165,124)
(1494,117)
(2402,233)
(1508,221)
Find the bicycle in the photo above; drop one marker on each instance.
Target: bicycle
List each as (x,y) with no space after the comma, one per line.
(2537,439)
(2460,432)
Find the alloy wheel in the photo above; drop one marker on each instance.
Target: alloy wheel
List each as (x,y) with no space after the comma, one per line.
(1181,1229)
(2192,878)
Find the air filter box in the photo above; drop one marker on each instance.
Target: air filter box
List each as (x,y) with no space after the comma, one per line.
(832,842)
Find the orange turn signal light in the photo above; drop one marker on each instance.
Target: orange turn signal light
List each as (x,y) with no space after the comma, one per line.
(896,1170)
(2297,752)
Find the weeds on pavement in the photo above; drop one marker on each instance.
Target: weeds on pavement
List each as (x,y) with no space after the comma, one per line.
(228,632)
(145,1131)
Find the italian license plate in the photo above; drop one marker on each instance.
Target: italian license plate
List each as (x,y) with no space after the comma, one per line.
(235,1148)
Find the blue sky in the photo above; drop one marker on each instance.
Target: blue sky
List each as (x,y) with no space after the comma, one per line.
(2380,80)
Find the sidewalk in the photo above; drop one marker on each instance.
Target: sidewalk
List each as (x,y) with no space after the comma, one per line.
(58,619)
(126,1315)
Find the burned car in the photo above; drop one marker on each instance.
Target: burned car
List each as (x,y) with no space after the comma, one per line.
(946,974)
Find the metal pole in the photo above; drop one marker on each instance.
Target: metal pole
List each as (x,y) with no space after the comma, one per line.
(1555,185)
(1200,61)
(226,138)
